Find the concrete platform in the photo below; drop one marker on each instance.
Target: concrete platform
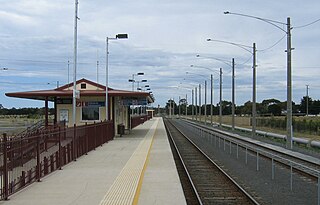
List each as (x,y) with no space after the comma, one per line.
(152,178)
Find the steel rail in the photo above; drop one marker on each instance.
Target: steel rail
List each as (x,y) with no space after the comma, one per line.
(184,165)
(262,150)
(249,197)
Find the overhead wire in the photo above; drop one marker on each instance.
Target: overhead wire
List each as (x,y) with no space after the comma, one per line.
(308,24)
(273,44)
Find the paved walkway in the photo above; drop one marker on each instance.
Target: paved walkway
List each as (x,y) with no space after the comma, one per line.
(91,177)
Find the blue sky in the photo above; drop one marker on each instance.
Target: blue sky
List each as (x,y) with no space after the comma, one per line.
(36,42)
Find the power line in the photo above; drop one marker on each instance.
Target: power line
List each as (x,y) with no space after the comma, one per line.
(273,44)
(313,22)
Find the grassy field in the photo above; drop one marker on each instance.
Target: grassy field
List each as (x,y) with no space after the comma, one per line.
(15,124)
(300,121)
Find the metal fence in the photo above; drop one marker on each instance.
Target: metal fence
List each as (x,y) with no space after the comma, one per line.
(26,159)
(221,140)
(137,120)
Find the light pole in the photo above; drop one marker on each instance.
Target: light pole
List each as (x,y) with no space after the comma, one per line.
(220,101)
(133,81)
(233,87)
(74,93)
(211,87)
(289,70)
(205,94)
(307,100)
(253,52)
(118,36)
(138,83)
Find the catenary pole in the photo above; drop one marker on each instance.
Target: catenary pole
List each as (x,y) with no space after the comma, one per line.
(254,110)
(74,99)
(233,96)
(220,102)
(289,87)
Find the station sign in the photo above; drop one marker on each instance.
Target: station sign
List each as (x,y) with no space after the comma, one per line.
(90,104)
(128,102)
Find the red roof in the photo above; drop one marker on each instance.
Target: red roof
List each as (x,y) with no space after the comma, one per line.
(62,92)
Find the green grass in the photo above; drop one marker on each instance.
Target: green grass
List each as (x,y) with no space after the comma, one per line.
(15,124)
(245,122)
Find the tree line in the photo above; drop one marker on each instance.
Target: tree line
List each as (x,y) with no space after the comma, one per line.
(29,112)
(268,107)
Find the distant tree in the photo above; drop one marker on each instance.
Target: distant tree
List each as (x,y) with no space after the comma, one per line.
(303,104)
(274,109)
(171,104)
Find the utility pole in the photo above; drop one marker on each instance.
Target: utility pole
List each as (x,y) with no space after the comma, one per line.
(68,72)
(211,106)
(179,106)
(289,87)
(200,103)
(196,96)
(192,108)
(173,107)
(307,109)
(170,108)
(186,105)
(74,99)
(254,110)
(205,102)
(97,72)
(233,97)
(220,103)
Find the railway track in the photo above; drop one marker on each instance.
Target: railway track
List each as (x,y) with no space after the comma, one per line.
(304,166)
(210,184)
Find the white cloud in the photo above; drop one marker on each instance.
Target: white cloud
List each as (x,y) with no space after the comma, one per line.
(164,37)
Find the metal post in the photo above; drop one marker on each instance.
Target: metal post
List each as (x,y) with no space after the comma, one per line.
(211,106)
(205,102)
(200,106)
(186,105)
(307,106)
(220,103)
(179,106)
(291,179)
(75,63)
(5,167)
(289,87)
(107,62)
(60,147)
(132,82)
(318,189)
(170,108)
(254,111)
(173,108)
(196,103)
(192,108)
(68,72)
(38,160)
(233,95)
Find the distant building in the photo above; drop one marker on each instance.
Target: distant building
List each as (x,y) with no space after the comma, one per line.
(90,107)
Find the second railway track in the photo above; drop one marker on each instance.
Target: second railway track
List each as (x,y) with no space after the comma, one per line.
(210,183)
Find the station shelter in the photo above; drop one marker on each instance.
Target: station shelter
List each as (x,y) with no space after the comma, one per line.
(90,104)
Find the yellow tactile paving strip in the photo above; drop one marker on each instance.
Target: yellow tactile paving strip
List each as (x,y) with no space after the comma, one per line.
(125,189)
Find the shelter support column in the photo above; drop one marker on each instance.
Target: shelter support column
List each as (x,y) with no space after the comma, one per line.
(46,111)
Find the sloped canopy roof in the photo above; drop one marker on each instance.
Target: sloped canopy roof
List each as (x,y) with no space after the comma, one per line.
(63,91)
